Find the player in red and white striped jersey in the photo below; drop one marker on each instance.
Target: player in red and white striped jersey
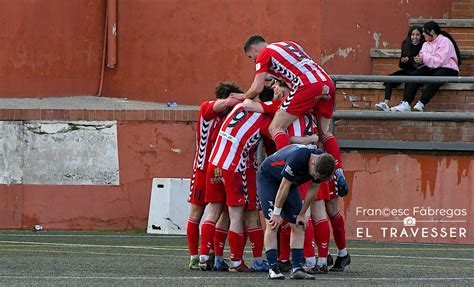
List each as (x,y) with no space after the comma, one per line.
(288,62)
(211,114)
(311,88)
(233,155)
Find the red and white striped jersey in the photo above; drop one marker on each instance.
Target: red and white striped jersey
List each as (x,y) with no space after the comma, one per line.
(288,61)
(208,121)
(238,138)
(303,126)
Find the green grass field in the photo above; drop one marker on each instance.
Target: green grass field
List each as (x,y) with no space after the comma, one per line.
(132,259)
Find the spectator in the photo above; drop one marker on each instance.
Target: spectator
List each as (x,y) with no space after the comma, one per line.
(411,46)
(440,56)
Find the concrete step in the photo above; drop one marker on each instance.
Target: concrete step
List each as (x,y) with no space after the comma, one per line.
(452,97)
(447,131)
(91,108)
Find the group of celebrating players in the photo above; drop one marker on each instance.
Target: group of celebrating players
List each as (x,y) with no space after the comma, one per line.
(295,188)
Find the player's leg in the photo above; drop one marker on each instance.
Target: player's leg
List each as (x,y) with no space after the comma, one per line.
(215,196)
(208,229)
(197,200)
(266,189)
(321,236)
(308,247)
(297,103)
(253,228)
(254,231)
(236,198)
(290,210)
(332,147)
(281,121)
(192,233)
(220,237)
(339,233)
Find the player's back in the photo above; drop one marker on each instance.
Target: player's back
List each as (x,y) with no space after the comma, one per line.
(238,137)
(292,64)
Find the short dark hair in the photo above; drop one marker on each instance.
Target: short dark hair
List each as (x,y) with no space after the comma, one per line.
(325,166)
(254,39)
(223,89)
(266,94)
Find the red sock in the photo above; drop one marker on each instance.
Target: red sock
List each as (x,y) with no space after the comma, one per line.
(281,140)
(237,244)
(331,146)
(308,246)
(285,233)
(192,232)
(321,236)
(256,240)
(338,230)
(219,241)
(207,236)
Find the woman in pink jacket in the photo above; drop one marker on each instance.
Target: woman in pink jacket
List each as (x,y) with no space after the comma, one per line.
(439,56)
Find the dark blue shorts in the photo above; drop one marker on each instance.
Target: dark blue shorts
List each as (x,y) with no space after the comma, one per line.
(267,188)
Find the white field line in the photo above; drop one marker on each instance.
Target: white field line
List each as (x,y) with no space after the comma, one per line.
(185,249)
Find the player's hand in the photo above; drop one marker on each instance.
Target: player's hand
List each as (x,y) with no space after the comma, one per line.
(237,96)
(275,221)
(302,219)
(404,59)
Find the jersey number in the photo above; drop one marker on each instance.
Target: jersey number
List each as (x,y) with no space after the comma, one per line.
(237,118)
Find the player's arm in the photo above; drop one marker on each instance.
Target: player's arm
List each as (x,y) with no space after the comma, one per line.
(280,198)
(222,104)
(257,86)
(312,139)
(252,106)
(308,200)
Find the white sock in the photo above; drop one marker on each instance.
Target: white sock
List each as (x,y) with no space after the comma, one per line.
(203,258)
(322,261)
(310,261)
(194,257)
(342,252)
(236,263)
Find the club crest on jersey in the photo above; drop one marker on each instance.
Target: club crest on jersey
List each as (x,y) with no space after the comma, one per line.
(257,66)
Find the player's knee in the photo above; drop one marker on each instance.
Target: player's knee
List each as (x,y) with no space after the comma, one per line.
(196,212)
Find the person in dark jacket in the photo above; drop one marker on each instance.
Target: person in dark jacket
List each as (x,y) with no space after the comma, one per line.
(411,46)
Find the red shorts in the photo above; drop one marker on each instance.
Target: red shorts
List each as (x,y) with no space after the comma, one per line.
(306,98)
(323,107)
(303,188)
(241,188)
(197,190)
(215,191)
(327,190)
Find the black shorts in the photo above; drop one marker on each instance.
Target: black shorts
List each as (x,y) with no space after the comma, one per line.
(267,188)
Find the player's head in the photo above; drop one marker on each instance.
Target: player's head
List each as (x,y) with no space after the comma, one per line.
(323,167)
(253,46)
(266,94)
(223,89)
(280,89)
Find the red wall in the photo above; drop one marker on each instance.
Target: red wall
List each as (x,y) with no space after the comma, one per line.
(145,152)
(178,50)
(150,149)
(50,48)
(352,24)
